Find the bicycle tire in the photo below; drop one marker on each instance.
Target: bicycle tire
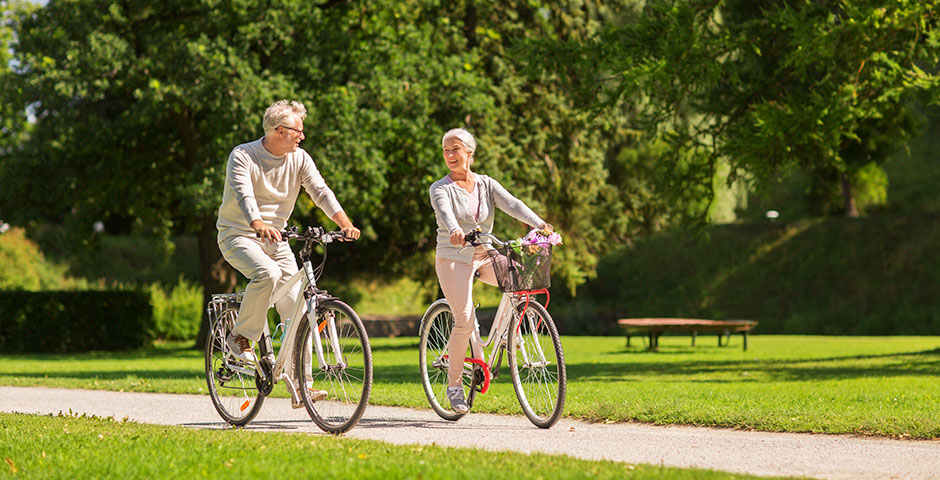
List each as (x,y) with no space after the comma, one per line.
(234,393)
(347,378)
(537,365)
(436,325)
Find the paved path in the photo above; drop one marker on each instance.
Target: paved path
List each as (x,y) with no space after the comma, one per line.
(759,453)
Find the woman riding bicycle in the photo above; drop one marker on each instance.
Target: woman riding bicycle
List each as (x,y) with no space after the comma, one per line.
(463,201)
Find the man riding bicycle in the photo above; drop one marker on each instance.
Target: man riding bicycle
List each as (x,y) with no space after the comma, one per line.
(262,181)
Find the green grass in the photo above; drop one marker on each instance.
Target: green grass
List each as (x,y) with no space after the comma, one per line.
(70,447)
(863,385)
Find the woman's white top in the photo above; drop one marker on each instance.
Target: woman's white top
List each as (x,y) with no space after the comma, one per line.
(452,207)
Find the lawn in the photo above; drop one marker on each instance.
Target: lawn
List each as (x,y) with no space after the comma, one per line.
(863,385)
(69,447)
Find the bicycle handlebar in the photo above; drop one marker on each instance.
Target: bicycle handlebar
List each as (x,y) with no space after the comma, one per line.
(474,238)
(317,234)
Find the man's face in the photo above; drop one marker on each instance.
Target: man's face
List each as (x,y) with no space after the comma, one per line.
(291,134)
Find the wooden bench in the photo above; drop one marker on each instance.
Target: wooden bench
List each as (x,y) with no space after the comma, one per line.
(654,327)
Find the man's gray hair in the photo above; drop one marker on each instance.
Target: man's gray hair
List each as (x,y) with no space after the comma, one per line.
(279,113)
(464,136)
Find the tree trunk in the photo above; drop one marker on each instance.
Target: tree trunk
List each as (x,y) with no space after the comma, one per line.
(217,275)
(848,198)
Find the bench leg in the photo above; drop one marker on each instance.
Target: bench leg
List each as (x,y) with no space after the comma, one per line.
(694,334)
(628,340)
(744,336)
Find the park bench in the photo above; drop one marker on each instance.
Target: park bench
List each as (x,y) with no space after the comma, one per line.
(654,327)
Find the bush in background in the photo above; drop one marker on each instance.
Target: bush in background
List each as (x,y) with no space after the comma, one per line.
(62,322)
(176,311)
(23,266)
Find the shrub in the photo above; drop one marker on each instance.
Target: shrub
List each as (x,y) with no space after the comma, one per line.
(176,313)
(61,322)
(23,266)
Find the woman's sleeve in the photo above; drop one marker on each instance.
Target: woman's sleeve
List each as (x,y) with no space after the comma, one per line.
(504,201)
(316,187)
(443,207)
(238,173)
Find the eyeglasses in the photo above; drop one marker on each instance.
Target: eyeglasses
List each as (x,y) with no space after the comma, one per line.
(294,129)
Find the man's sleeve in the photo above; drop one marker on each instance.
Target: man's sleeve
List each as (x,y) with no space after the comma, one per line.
(238,172)
(316,187)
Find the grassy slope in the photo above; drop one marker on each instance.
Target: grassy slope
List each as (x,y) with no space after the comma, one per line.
(871,276)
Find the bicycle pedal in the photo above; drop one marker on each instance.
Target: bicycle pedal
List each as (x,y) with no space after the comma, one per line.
(478,379)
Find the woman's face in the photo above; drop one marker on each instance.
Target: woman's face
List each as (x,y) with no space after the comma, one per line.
(456,155)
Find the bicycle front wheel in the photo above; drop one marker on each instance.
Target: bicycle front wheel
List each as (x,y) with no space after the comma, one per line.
(231,382)
(435,331)
(345,375)
(537,365)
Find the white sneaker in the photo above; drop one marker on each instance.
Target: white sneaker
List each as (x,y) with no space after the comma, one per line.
(315,396)
(239,348)
(457,401)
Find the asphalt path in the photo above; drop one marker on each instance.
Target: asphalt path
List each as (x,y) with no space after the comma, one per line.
(757,453)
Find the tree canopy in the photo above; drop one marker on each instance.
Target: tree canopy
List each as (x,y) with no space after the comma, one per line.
(608,119)
(766,87)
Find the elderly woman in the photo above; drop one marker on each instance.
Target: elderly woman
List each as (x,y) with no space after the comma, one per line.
(464,201)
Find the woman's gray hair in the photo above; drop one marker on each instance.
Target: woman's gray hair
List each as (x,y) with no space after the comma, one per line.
(279,113)
(464,136)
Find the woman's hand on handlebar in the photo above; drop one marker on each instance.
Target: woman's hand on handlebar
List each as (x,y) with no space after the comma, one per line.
(547,227)
(456,237)
(265,232)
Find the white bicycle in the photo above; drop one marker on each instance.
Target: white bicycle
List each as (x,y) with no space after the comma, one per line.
(327,343)
(536,359)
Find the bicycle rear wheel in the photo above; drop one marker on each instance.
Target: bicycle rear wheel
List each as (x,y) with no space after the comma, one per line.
(347,375)
(435,331)
(537,365)
(231,382)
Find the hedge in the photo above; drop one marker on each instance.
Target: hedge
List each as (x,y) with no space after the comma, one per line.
(74,321)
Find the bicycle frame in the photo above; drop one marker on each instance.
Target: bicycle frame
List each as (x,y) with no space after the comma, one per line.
(500,329)
(311,297)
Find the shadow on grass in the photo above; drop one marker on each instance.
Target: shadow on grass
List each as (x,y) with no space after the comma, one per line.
(114,375)
(922,363)
(392,348)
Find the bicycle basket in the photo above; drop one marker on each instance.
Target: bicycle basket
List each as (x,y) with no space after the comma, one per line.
(525,267)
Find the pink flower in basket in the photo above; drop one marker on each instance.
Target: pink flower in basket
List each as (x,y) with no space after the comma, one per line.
(542,237)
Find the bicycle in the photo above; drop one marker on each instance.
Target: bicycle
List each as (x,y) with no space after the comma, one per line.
(536,359)
(337,358)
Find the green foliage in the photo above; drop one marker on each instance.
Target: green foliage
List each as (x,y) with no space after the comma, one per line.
(23,266)
(74,321)
(139,105)
(119,261)
(827,87)
(839,276)
(177,311)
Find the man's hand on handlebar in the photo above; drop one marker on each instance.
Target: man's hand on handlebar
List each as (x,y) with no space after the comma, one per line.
(265,232)
(351,234)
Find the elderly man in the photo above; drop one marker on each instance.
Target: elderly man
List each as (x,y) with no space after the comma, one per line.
(262,181)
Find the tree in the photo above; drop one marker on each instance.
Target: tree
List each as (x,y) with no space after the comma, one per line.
(138,105)
(767,87)
(12,120)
